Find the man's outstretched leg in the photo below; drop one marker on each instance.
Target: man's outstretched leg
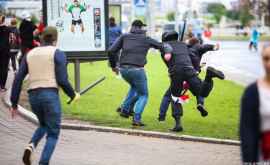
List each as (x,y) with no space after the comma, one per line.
(202,89)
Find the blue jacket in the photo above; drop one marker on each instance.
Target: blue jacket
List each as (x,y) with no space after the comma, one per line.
(60,73)
(114,33)
(250,124)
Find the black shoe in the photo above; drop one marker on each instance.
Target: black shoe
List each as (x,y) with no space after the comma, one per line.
(131,113)
(212,72)
(161,118)
(138,124)
(202,110)
(27,155)
(124,114)
(177,129)
(119,109)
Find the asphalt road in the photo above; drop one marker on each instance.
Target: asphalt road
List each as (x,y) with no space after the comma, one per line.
(238,63)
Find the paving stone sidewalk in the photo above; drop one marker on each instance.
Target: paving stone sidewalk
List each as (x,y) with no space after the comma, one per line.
(96,148)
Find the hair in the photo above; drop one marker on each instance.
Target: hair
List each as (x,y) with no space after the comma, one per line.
(193,41)
(112,21)
(2,20)
(13,22)
(48,39)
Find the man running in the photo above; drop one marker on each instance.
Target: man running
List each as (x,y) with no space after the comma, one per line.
(43,92)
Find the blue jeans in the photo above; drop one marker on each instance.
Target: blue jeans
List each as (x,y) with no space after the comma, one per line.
(138,91)
(46,106)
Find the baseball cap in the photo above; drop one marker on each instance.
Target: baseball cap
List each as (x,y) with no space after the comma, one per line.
(49,32)
(138,23)
(26,15)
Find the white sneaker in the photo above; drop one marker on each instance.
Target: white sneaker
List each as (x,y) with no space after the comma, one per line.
(27,155)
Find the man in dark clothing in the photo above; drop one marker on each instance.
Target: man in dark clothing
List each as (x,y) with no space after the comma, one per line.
(43,92)
(196,52)
(181,69)
(27,30)
(114,33)
(134,46)
(4,53)
(14,43)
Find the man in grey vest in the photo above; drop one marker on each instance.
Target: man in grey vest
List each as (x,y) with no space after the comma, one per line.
(46,67)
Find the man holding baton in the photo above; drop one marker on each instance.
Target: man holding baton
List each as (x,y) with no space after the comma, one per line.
(43,92)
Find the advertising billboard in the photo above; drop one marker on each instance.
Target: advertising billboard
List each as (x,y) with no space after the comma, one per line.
(81,25)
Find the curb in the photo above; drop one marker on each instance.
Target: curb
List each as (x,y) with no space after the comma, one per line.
(83,127)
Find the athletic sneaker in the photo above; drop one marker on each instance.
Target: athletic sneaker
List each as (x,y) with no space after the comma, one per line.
(177,129)
(138,124)
(202,110)
(212,72)
(124,114)
(27,156)
(161,118)
(119,109)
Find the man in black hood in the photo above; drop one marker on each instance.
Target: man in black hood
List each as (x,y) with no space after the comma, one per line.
(27,30)
(181,70)
(134,46)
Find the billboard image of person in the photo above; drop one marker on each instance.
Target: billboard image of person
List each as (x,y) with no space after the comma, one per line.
(80,23)
(76,9)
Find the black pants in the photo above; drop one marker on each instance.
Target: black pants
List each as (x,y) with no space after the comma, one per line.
(197,87)
(13,57)
(4,61)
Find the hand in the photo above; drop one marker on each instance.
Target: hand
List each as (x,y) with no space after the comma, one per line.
(76,98)
(13,112)
(168,56)
(217,46)
(115,70)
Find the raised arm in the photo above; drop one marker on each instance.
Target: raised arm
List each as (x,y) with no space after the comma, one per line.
(208,47)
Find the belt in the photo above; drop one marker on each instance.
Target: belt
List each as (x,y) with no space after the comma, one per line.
(130,66)
(41,89)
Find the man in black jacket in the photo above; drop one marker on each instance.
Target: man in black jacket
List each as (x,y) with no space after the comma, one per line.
(134,46)
(27,30)
(196,52)
(181,69)
(4,53)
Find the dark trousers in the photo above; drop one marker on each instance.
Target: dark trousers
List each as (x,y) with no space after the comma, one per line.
(13,57)
(196,85)
(200,89)
(4,61)
(166,100)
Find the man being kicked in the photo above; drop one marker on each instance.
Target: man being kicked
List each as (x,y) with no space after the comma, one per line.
(181,69)
(43,92)
(196,52)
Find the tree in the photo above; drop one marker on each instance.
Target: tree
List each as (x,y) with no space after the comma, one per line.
(245,16)
(233,14)
(218,10)
(170,16)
